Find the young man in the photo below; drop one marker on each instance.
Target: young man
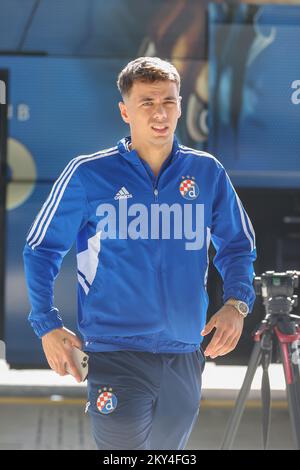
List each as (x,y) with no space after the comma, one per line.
(143,213)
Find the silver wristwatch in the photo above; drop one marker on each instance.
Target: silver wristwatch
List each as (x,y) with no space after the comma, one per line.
(241,306)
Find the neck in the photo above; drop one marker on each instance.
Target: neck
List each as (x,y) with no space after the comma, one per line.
(153,155)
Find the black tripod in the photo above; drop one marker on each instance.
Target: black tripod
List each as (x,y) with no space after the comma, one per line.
(281,328)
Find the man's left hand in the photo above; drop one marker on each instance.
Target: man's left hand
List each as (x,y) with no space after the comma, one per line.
(229,326)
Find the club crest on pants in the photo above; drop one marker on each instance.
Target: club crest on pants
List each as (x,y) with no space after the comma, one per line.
(106,401)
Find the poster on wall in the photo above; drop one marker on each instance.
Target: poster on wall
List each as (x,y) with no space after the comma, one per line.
(254,93)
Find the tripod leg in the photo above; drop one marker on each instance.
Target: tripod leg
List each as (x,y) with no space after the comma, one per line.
(266,390)
(292,379)
(296,371)
(238,410)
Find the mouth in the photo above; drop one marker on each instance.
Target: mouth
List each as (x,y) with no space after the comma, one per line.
(159,129)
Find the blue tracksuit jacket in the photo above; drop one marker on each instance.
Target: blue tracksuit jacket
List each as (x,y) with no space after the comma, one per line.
(142,248)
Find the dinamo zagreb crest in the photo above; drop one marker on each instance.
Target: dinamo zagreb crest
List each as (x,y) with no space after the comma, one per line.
(106,401)
(189,188)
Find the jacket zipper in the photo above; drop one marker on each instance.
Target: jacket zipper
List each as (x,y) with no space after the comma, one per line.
(156,193)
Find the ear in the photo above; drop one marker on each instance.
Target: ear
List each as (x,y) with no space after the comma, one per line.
(123,111)
(179,107)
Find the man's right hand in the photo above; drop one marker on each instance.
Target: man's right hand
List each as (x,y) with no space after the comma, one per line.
(57,345)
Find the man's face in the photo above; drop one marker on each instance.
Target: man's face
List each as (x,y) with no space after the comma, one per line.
(152,111)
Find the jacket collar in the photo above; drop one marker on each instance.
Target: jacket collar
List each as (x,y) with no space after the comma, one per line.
(132,155)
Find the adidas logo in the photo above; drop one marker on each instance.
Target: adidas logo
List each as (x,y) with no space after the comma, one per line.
(123,194)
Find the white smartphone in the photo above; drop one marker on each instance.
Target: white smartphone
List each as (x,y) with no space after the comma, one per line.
(81,360)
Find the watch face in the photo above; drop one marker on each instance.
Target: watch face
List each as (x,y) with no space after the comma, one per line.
(243,308)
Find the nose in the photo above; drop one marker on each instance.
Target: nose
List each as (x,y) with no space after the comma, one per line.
(159,112)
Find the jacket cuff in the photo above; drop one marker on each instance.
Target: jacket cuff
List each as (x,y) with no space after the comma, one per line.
(46,322)
(241,294)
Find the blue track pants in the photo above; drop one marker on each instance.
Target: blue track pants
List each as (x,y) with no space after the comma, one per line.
(142,400)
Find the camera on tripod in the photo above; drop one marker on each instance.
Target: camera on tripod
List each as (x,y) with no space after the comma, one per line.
(281,329)
(277,291)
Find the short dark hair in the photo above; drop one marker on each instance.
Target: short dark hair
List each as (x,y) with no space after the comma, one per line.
(146,69)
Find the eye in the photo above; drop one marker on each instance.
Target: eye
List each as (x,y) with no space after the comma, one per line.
(147,103)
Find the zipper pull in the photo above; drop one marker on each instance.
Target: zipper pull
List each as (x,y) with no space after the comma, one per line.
(156,193)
